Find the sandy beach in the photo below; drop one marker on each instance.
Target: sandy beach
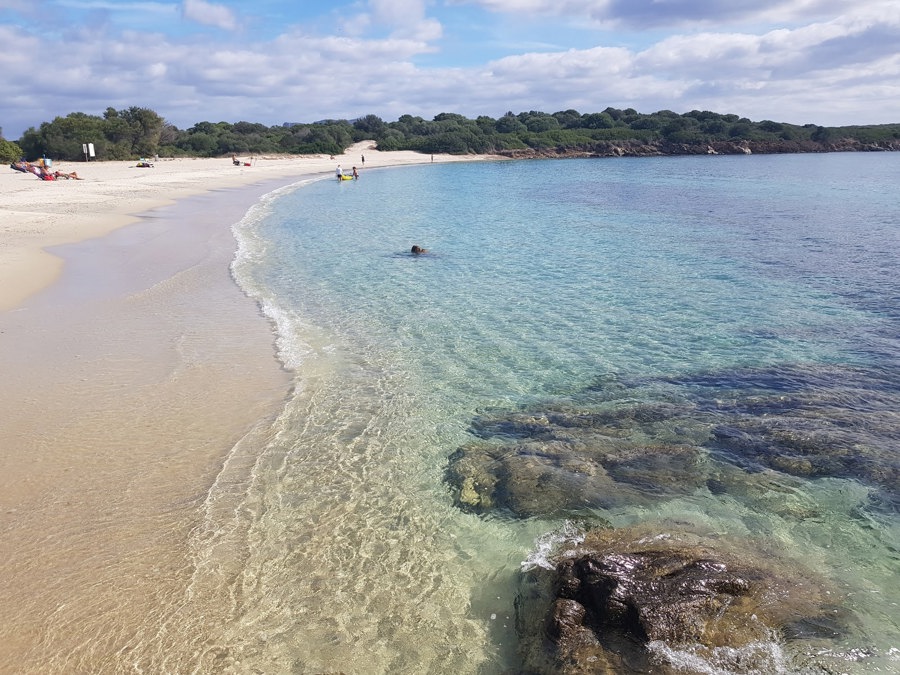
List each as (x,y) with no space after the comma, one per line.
(121,400)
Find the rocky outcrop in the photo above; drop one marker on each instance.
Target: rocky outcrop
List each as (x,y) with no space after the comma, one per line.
(663,148)
(722,431)
(628,600)
(557,477)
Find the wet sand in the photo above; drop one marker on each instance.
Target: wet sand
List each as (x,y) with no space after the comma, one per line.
(126,385)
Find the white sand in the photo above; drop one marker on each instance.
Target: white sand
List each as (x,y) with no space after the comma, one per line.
(36,214)
(125,387)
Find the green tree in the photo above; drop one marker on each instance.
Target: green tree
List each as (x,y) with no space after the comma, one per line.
(371,125)
(597,121)
(64,136)
(9,151)
(539,122)
(741,130)
(509,124)
(568,119)
(202,144)
(821,135)
(146,127)
(392,139)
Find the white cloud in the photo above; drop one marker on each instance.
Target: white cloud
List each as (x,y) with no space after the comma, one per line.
(841,71)
(112,6)
(401,18)
(673,13)
(209,14)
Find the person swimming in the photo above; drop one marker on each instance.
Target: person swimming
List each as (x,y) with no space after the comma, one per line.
(416,250)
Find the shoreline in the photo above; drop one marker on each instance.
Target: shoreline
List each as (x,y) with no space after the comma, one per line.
(129,382)
(36,215)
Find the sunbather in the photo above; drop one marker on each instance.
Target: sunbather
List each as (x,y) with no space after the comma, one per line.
(72,175)
(38,171)
(43,173)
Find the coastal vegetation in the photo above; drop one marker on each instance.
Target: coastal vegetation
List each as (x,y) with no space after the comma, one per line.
(9,151)
(137,132)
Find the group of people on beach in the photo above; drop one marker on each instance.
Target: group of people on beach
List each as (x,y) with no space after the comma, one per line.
(42,171)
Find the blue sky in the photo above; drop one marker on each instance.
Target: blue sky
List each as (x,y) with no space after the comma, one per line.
(828,62)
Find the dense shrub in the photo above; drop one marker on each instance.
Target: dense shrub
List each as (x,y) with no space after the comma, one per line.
(9,151)
(134,132)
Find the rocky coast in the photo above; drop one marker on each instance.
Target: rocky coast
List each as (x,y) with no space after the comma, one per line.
(634,148)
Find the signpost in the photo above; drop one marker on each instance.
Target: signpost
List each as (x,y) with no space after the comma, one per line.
(88,150)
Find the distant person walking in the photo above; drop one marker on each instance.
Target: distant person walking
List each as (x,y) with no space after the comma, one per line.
(363,158)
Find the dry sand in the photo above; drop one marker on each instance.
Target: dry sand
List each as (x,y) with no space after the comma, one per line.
(120,400)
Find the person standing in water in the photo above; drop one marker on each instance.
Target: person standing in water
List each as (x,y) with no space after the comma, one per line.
(339,172)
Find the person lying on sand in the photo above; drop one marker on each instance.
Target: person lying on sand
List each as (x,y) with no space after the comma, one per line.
(73,175)
(38,171)
(42,173)
(28,167)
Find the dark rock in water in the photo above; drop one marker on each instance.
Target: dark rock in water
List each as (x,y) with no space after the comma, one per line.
(816,439)
(563,458)
(806,420)
(716,486)
(818,627)
(643,441)
(557,478)
(612,602)
(764,491)
(529,479)
(559,422)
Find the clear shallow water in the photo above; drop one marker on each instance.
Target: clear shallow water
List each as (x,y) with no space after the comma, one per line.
(338,547)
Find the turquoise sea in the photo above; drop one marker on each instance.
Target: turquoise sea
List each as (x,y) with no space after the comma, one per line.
(760,293)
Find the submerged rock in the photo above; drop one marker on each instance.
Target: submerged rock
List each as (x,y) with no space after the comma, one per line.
(556,477)
(648,440)
(622,600)
(809,422)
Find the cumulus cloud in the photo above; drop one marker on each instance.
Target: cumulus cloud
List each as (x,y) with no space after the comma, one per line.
(839,71)
(402,18)
(209,14)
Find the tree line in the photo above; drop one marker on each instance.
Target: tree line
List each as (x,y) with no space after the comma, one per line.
(140,132)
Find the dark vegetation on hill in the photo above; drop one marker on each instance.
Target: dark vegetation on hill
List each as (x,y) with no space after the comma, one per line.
(140,132)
